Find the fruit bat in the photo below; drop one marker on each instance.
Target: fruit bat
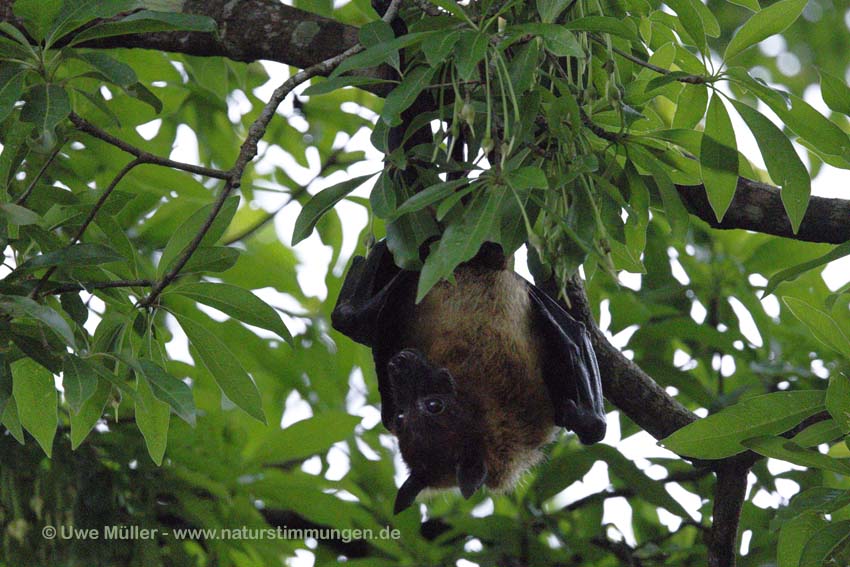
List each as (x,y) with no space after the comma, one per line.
(477,377)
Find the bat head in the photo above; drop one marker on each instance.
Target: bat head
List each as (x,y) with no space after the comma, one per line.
(439,429)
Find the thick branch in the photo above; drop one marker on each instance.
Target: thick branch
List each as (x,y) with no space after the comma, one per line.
(729,497)
(758,207)
(248,30)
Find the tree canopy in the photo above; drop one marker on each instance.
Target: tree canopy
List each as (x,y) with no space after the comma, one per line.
(158,338)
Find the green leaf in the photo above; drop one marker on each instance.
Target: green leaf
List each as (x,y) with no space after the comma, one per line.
(822,326)
(219,360)
(144,94)
(549,10)
(238,303)
(820,499)
(785,450)
(793,538)
(90,413)
(817,433)
(650,490)
(320,204)
(719,158)
(691,21)
(187,231)
(749,4)
(792,273)
(377,32)
(429,196)
(11,87)
(169,389)
(470,50)
(152,418)
(113,70)
(836,93)
(528,177)
(5,383)
(761,25)
(383,198)
(438,46)
(147,21)
(35,397)
(378,54)
(75,13)
(557,39)
(838,400)
(782,162)
(677,214)
(602,24)
(461,239)
(329,85)
(78,380)
(38,15)
(12,422)
(18,306)
(824,543)
(302,439)
(18,215)
(721,434)
(211,259)
(405,94)
(690,106)
(72,256)
(46,105)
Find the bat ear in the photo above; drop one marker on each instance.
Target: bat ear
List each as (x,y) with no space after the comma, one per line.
(407,493)
(471,472)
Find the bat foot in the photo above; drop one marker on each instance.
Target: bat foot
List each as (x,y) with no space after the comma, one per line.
(588,425)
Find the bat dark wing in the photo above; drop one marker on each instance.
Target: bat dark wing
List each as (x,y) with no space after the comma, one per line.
(569,368)
(374,306)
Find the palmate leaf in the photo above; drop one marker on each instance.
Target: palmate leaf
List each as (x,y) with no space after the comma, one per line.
(46,105)
(238,303)
(723,434)
(228,373)
(321,203)
(36,401)
(719,158)
(761,25)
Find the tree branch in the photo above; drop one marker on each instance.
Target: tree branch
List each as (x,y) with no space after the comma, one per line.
(145,157)
(729,495)
(248,30)
(758,207)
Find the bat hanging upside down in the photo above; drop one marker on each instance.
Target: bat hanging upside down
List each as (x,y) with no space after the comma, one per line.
(477,377)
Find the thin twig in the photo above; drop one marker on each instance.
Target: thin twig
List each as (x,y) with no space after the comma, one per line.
(145,157)
(22,198)
(690,79)
(293,196)
(92,213)
(686,476)
(85,286)
(249,150)
(598,130)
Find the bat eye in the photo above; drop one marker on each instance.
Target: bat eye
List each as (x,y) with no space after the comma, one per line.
(434,406)
(399,418)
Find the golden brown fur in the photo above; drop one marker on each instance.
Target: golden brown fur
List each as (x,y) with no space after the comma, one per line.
(480,329)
